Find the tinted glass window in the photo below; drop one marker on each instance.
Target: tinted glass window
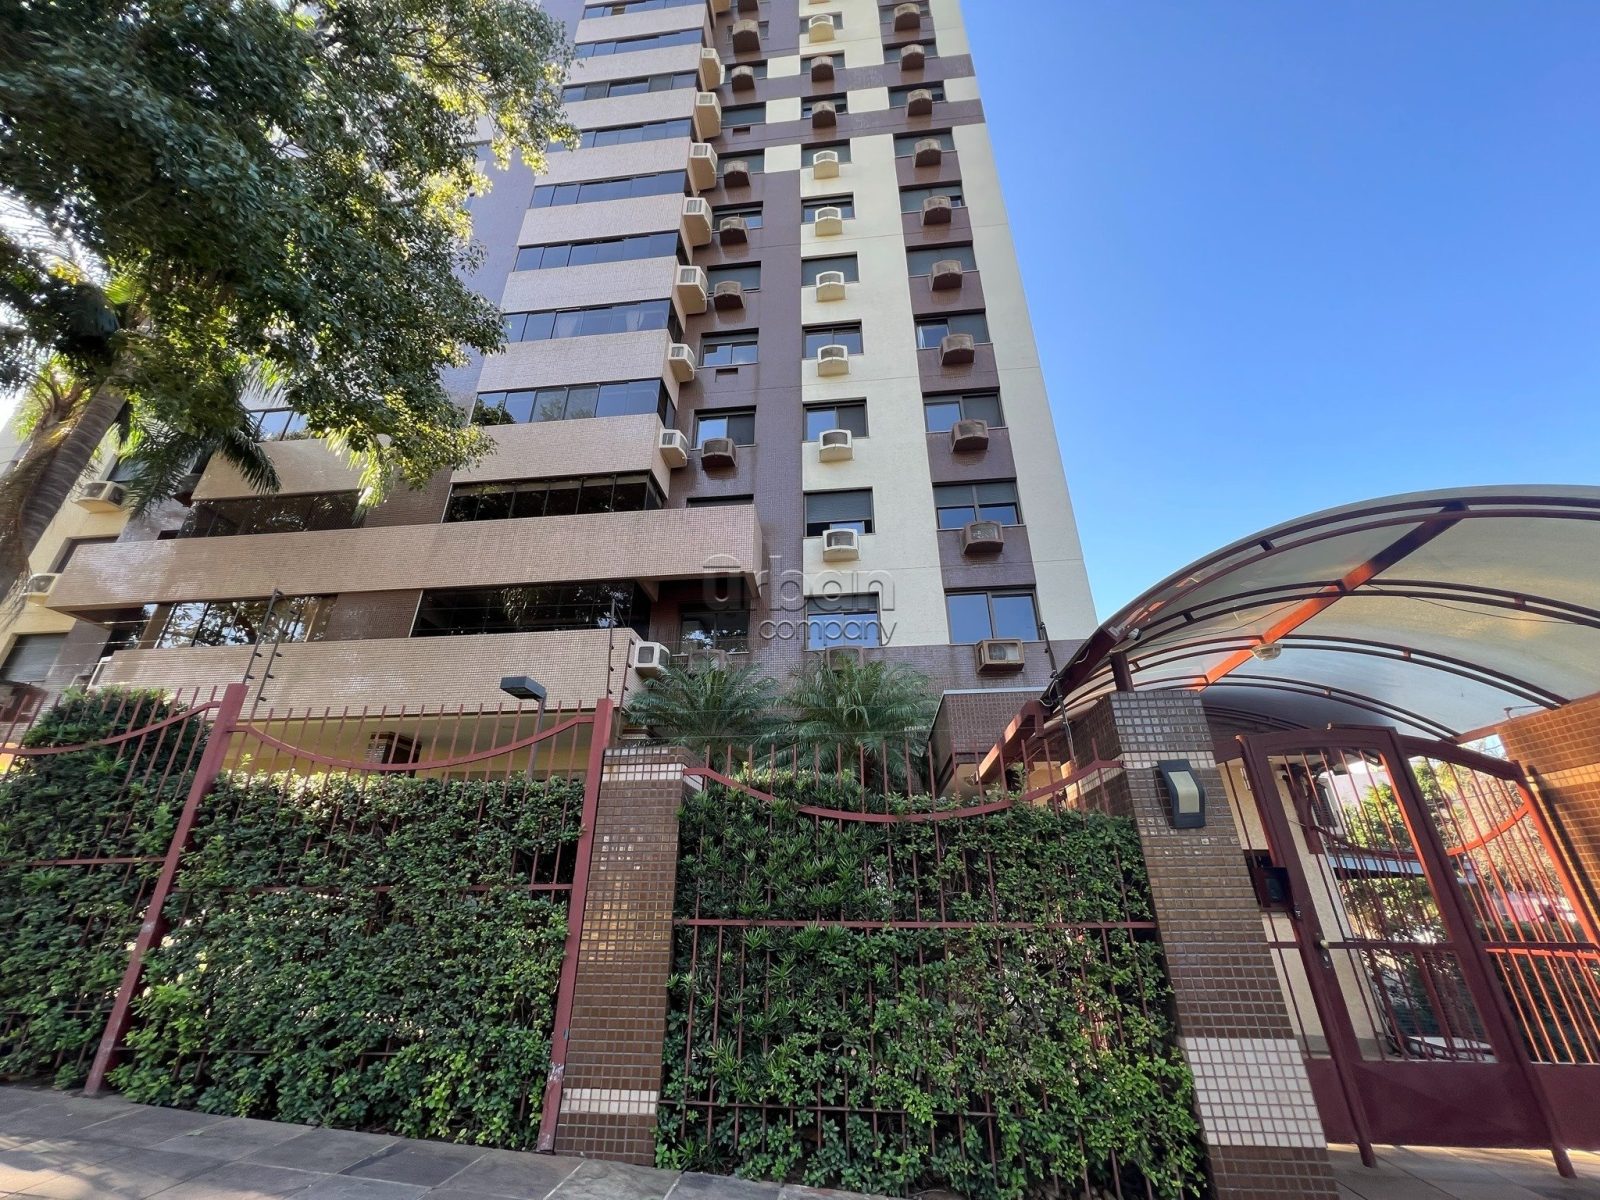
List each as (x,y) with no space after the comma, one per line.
(838,510)
(920,262)
(845,204)
(739,425)
(747,276)
(812,267)
(749,213)
(744,114)
(821,418)
(843,621)
(933,330)
(905,144)
(942,412)
(848,336)
(912,199)
(727,349)
(959,504)
(685,37)
(530,608)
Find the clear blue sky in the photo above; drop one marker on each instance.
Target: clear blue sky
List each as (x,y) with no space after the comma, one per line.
(1285,255)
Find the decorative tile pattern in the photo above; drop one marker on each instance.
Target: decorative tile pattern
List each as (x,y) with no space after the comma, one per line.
(1253,1092)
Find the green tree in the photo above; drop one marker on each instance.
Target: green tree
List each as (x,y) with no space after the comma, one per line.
(871,716)
(716,711)
(200,192)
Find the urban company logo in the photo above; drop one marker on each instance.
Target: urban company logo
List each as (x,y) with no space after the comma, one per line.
(824,608)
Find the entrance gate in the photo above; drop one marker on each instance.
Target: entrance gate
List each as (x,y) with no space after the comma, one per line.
(1438,953)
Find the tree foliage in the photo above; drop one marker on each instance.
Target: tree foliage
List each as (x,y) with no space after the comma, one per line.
(708,709)
(232,187)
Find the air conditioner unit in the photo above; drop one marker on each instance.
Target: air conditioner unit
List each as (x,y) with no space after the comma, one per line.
(680,362)
(920,103)
(743,79)
(719,454)
(821,68)
(728,294)
(913,57)
(746,36)
(957,350)
(836,445)
(833,360)
(710,68)
(840,545)
(982,538)
(928,153)
(824,114)
(835,657)
(999,654)
(37,589)
(736,174)
(829,221)
(708,115)
(690,289)
(104,496)
(830,285)
(945,276)
(650,659)
(674,447)
(702,166)
(734,231)
(937,210)
(907,16)
(820,28)
(969,436)
(825,164)
(696,221)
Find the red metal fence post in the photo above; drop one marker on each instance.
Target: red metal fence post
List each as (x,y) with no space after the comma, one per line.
(560,1029)
(211,760)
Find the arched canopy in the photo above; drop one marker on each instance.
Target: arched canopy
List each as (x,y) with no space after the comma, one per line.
(1438,612)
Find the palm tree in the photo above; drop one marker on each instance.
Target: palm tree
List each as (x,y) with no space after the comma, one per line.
(870,719)
(718,712)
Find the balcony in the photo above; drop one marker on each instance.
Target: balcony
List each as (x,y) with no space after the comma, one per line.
(675,543)
(303,465)
(553,449)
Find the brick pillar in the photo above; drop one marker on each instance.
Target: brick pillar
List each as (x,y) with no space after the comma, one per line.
(619,999)
(1262,1129)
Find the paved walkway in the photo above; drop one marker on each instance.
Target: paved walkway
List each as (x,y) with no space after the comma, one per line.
(1429,1173)
(65,1147)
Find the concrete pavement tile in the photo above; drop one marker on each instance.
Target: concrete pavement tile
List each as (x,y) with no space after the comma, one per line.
(75,1149)
(242,1181)
(131,1176)
(347,1187)
(233,1137)
(510,1175)
(330,1150)
(596,1180)
(20,1169)
(57,1118)
(1501,1189)
(1389,1187)
(693,1186)
(424,1163)
(148,1125)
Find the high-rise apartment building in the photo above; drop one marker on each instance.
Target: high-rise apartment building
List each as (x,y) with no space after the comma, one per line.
(771,390)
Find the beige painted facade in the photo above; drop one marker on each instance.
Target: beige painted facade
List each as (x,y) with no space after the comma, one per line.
(565,449)
(304,466)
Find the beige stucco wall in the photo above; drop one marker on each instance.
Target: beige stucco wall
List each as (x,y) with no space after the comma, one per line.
(636,64)
(670,105)
(595,284)
(612,162)
(601,358)
(562,449)
(601,218)
(304,465)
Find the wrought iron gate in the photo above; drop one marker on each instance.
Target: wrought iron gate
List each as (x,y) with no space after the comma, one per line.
(1437,951)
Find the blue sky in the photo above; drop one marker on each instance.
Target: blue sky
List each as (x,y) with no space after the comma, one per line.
(1285,255)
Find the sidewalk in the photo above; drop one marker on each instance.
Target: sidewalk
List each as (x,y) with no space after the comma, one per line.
(1433,1173)
(65,1147)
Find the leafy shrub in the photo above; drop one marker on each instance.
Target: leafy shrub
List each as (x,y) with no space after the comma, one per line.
(992,1060)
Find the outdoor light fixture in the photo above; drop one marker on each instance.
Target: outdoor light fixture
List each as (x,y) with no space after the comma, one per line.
(1186,799)
(523,687)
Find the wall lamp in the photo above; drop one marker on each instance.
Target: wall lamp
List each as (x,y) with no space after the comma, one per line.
(523,687)
(1186,797)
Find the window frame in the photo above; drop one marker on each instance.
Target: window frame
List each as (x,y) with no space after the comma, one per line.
(733,337)
(843,611)
(968,259)
(740,414)
(908,141)
(990,595)
(835,407)
(941,399)
(845,202)
(946,320)
(810,268)
(807,333)
(815,527)
(976,507)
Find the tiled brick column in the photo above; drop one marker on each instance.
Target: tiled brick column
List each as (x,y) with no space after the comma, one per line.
(619,1006)
(1262,1130)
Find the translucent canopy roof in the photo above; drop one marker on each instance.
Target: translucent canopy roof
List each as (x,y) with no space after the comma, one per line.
(1438,612)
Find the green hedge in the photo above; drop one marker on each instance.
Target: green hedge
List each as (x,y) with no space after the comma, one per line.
(361,953)
(1064,1038)
(64,930)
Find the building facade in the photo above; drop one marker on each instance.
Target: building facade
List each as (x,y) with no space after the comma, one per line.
(770,390)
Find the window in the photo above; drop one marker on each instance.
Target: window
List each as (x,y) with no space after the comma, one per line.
(886,11)
(933,330)
(810,268)
(754,159)
(940,413)
(838,510)
(718,626)
(728,349)
(845,204)
(979,616)
(627,135)
(905,144)
(629,87)
(839,100)
(808,154)
(641,316)
(898,96)
(271,514)
(843,621)
(818,336)
(274,425)
(634,397)
(236,622)
(682,37)
(920,261)
(738,424)
(557,195)
(751,213)
(911,199)
(451,612)
(617,8)
(847,414)
(747,276)
(960,504)
(891,54)
(31,656)
(718,501)
(605,250)
(71,546)
(553,497)
(744,115)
